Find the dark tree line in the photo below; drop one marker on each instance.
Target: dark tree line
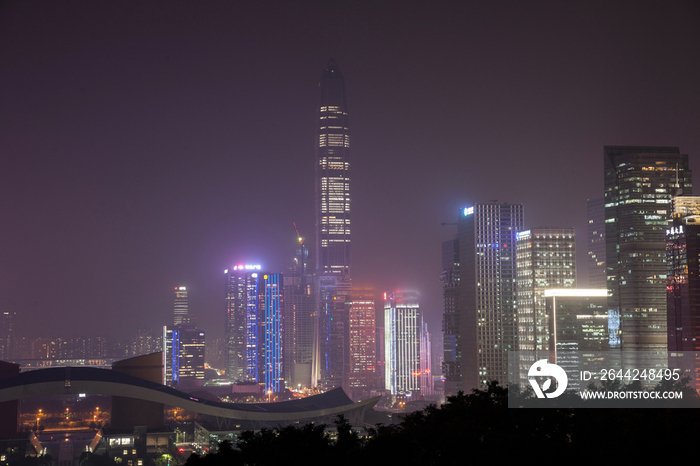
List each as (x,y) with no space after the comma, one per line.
(473,428)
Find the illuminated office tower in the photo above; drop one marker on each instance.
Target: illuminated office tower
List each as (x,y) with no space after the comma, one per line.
(299,323)
(487,291)
(639,184)
(254,334)
(546,258)
(181,314)
(333,261)
(450,316)
(332,177)
(361,339)
(241,314)
(597,277)
(183,355)
(268,358)
(580,331)
(402,342)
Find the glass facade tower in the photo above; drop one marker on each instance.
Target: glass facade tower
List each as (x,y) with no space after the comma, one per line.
(333,261)
(450,316)
(241,313)
(487,292)
(254,329)
(300,310)
(332,177)
(597,277)
(639,185)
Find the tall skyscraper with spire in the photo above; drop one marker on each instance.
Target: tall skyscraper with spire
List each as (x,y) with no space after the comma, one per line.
(332,227)
(333,177)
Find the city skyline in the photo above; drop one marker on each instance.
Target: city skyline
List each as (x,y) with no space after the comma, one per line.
(129,155)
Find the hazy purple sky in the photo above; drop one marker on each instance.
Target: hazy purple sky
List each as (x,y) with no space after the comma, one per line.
(147,145)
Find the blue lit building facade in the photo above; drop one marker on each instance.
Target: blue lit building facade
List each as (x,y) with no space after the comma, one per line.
(183,355)
(241,314)
(268,358)
(254,330)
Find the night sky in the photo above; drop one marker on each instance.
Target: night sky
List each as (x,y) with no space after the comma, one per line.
(148,145)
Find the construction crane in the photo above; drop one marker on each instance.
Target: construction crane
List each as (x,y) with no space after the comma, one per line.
(301,240)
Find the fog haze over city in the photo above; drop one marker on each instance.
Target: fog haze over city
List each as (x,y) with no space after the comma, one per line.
(153,145)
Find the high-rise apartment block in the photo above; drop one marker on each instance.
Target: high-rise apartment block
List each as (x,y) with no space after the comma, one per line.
(181,311)
(487,291)
(147,342)
(333,259)
(597,277)
(402,340)
(254,329)
(639,184)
